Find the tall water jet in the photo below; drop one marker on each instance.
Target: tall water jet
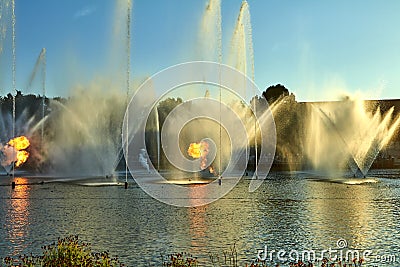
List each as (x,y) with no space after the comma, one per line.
(83,133)
(7,17)
(128,77)
(4,22)
(209,47)
(14,67)
(241,57)
(210,33)
(241,54)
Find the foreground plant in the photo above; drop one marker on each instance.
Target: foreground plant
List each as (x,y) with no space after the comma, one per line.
(68,251)
(230,259)
(179,260)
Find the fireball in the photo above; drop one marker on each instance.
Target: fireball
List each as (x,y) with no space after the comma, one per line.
(22,157)
(194,150)
(199,150)
(14,151)
(19,143)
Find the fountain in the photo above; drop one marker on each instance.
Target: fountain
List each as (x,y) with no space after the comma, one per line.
(208,47)
(81,137)
(24,120)
(25,126)
(90,141)
(241,55)
(40,65)
(351,134)
(209,43)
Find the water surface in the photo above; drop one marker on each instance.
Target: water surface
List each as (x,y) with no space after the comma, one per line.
(289,211)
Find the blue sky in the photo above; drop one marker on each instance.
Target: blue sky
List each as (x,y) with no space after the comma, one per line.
(317,49)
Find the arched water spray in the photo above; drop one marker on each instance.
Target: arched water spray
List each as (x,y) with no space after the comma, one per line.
(345,133)
(43,56)
(40,64)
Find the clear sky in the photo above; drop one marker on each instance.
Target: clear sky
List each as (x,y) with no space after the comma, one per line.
(317,49)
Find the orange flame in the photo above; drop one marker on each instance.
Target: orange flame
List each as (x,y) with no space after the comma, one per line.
(194,150)
(199,150)
(20,143)
(22,157)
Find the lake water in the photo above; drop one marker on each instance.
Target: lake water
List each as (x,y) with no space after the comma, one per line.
(288,212)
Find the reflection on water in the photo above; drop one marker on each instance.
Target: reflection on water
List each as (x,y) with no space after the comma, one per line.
(197,228)
(338,208)
(197,218)
(17,216)
(289,211)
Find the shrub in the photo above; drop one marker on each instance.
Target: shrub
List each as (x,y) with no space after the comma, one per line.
(180,260)
(68,251)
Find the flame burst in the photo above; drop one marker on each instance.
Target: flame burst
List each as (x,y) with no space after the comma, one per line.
(22,157)
(20,143)
(199,150)
(194,150)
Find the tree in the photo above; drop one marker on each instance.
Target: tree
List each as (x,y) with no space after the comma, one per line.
(274,92)
(165,107)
